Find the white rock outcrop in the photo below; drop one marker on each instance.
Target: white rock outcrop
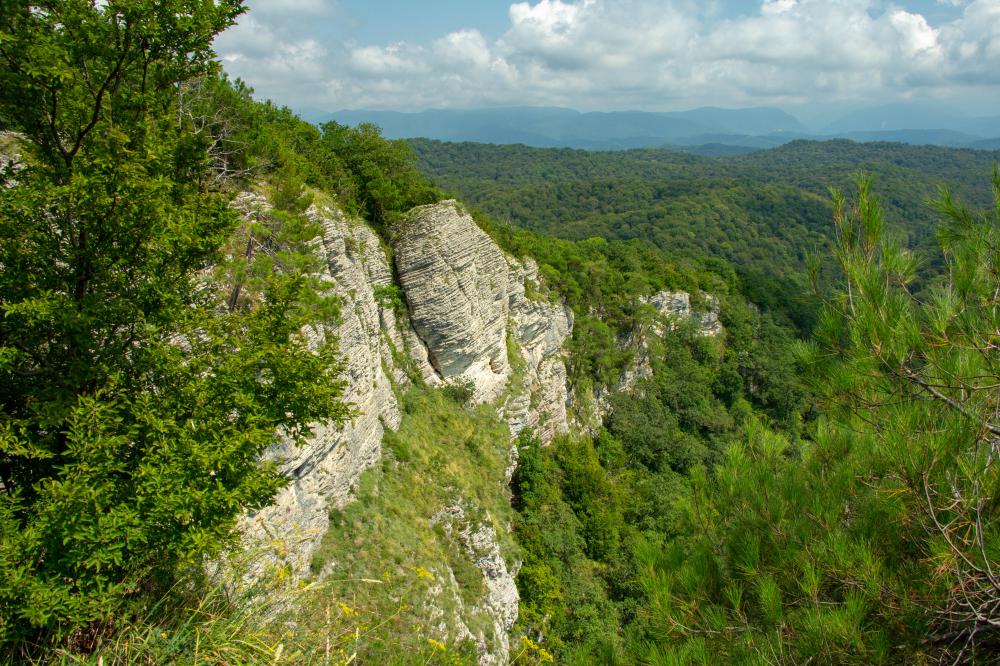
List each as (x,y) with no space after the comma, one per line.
(540,328)
(455,280)
(465,297)
(674,306)
(500,603)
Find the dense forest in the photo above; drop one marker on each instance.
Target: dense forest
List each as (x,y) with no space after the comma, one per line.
(685,203)
(817,483)
(810,490)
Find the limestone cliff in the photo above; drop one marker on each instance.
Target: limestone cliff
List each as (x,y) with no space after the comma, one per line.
(673,307)
(323,473)
(540,329)
(455,280)
(472,316)
(471,310)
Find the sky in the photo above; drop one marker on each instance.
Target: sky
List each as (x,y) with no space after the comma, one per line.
(808,56)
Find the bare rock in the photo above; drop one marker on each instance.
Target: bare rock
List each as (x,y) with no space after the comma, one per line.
(500,603)
(455,279)
(540,328)
(674,306)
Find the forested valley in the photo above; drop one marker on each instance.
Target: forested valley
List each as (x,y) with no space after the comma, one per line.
(803,509)
(795,464)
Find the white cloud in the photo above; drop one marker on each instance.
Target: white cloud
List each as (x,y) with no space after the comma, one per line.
(976,38)
(393,60)
(466,48)
(627,54)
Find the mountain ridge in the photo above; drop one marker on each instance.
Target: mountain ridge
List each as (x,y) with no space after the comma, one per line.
(715,128)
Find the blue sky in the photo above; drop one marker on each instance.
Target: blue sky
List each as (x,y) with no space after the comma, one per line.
(375,22)
(618,54)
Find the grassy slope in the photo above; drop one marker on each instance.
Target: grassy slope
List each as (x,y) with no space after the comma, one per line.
(386,567)
(391,566)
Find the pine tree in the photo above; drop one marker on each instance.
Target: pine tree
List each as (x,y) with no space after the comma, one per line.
(919,371)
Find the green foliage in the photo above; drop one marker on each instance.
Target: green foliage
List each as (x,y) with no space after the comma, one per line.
(563,596)
(151,347)
(391,296)
(871,541)
(768,561)
(134,409)
(364,173)
(703,527)
(222,620)
(919,373)
(385,180)
(216,619)
(591,511)
(459,393)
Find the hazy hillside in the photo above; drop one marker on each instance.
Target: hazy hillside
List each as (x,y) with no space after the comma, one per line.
(894,117)
(758,127)
(550,127)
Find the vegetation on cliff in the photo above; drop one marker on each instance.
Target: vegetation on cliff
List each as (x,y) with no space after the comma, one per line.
(817,483)
(870,539)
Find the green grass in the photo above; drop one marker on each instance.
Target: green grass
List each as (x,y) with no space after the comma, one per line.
(392,558)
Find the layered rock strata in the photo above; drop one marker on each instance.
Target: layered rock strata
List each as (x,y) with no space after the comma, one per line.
(471,309)
(456,283)
(500,603)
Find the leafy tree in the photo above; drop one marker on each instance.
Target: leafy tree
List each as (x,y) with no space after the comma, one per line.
(386,182)
(134,407)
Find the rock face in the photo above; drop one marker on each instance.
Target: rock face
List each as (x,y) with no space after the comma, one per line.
(462,313)
(455,280)
(540,328)
(501,600)
(326,470)
(10,155)
(471,309)
(473,316)
(676,305)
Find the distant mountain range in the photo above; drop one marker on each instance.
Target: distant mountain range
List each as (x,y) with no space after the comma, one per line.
(899,117)
(707,131)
